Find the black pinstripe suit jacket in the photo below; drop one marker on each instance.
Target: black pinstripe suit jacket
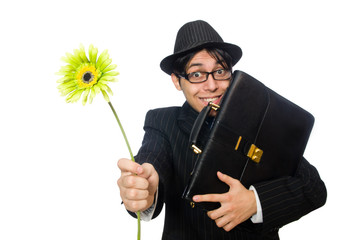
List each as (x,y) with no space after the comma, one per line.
(165,145)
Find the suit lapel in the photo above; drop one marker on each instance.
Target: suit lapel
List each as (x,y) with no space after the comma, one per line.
(187,118)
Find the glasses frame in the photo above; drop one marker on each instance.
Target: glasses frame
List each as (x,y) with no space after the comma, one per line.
(186,77)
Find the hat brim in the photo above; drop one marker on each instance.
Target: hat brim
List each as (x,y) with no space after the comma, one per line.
(233,50)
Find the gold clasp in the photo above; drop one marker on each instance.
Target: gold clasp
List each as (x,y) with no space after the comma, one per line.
(196,149)
(255,153)
(214,106)
(238,143)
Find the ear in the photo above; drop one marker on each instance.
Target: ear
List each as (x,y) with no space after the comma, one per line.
(176,81)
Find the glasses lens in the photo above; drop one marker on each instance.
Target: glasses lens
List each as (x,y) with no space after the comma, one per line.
(222,74)
(196,77)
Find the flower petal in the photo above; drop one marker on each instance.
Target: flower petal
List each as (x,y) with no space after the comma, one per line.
(105,64)
(96,89)
(93,54)
(67,85)
(111,73)
(109,68)
(65,92)
(109,90)
(90,49)
(65,79)
(67,68)
(74,96)
(77,56)
(85,96)
(72,85)
(73,58)
(105,95)
(82,54)
(63,72)
(92,95)
(65,59)
(107,78)
(104,87)
(104,55)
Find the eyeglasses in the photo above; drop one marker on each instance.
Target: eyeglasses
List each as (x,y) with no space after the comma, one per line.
(199,77)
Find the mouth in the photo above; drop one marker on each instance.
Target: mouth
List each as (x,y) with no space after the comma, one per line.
(214,99)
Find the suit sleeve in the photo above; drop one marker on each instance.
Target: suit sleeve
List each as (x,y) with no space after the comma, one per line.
(287,199)
(156,150)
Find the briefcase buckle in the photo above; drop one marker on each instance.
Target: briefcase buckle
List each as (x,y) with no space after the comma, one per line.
(196,149)
(214,106)
(255,153)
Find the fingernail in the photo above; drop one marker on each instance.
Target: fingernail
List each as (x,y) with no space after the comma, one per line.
(196,198)
(139,170)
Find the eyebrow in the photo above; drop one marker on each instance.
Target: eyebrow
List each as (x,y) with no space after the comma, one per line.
(200,64)
(195,65)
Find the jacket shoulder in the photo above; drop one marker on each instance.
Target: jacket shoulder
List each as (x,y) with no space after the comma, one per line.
(161,116)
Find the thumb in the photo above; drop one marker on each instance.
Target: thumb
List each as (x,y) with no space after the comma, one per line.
(149,172)
(145,170)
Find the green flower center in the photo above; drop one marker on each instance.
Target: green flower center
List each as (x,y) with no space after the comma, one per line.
(87,77)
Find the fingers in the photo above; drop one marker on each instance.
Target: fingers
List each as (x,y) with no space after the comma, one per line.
(208,198)
(225,223)
(137,184)
(134,191)
(229,226)
(135,206)
(218,197)
(151,175)
(225,217)
(235,204)
(127,165)
(136,194)
(215,214)
(227,179)
(146,170)
(132,181)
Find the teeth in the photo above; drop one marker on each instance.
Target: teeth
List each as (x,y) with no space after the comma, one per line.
(210,99)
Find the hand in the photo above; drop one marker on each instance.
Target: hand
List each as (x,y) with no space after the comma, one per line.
(137,184)
(237,205)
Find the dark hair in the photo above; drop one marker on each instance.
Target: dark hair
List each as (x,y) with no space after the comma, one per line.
(221,56)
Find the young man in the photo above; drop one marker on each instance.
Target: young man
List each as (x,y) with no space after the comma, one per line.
(201,67)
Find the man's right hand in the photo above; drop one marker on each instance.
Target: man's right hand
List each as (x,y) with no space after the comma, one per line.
(137,184)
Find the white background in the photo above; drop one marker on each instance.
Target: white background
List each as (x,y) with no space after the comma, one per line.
(58,161)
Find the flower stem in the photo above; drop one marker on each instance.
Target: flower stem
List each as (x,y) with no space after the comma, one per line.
(139,225)
(123,132)
(130,152)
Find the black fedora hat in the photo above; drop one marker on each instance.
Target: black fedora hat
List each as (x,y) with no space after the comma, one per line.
(195,36)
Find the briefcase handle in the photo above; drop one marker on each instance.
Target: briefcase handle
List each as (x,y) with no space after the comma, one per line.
(253,152)
(196,128)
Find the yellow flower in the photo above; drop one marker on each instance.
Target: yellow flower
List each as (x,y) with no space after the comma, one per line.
(86,77)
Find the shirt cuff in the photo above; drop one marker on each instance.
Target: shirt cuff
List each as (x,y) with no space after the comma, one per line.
(258,216)
(148,213)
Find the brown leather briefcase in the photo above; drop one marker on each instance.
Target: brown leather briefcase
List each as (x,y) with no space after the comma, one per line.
(257,135)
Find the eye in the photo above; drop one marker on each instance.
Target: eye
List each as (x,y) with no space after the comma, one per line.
(195,74)
(220,72)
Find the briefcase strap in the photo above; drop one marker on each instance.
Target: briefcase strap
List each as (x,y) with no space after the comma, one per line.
(196,128)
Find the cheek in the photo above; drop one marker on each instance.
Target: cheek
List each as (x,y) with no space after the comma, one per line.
(192,98)
(189,90)
(224,85)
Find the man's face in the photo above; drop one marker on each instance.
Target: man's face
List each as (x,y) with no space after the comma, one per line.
(198,95)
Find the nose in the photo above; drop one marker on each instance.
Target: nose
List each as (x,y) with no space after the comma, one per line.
(210,84)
